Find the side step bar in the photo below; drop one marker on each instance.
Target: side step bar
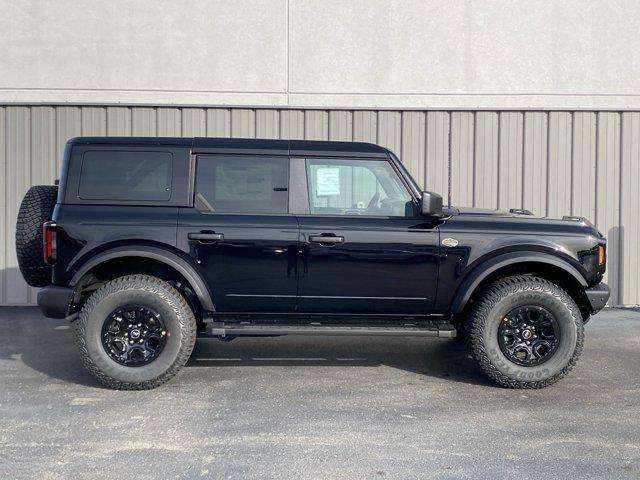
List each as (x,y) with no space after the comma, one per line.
(238,330)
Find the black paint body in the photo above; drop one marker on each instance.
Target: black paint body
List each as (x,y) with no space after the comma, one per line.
(414,266)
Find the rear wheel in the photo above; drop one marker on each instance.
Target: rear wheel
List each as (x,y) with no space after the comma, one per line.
(525,332)
(135,332)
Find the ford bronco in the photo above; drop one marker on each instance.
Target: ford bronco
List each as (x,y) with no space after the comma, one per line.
(147,243)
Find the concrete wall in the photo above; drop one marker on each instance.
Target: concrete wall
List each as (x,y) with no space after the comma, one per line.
(553,163)
(411,54)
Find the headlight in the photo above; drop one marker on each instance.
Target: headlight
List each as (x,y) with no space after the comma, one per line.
(594,259)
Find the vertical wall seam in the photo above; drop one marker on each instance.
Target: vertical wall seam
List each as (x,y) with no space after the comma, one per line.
(596,182)
(572,160)
(449,157)
(474,134)
(499,159)
(621,231)
(548,162)
(619,215)
(523,173)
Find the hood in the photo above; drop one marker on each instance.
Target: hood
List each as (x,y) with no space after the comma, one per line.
(522,216)
(486,211)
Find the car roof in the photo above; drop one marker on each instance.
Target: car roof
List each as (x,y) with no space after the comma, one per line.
(245,145)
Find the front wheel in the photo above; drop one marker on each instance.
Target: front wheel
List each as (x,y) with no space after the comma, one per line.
(525,332)
(135,332)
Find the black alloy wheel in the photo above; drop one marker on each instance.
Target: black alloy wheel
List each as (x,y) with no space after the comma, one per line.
(134,335)
(529,335)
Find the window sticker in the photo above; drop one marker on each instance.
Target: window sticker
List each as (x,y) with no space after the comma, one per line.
(328,181)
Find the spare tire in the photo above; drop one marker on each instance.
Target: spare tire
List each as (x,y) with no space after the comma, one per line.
(35,209)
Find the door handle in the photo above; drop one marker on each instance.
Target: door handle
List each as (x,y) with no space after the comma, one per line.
(206,237)
(326,239)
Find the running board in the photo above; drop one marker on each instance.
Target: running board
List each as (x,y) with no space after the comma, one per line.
(259,330)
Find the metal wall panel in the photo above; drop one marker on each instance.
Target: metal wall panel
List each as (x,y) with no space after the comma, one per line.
(535,157)
(413,137)
(462,157)
(438,169)
(511,154)
(559,164)
(485,178)
(607,192)
(267,124)
(340,125)
(583,196)
(365,126)
(390,131)
(194,122)
(553,163)
(218,122)
(17,181)
(629,275)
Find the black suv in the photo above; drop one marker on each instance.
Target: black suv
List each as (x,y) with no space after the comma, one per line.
(148,243)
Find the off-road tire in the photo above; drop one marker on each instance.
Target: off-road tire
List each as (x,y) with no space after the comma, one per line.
(35,209)
(147,291)
(509,293)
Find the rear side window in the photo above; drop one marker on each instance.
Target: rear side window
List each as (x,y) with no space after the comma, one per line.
(242,184)
(126,176)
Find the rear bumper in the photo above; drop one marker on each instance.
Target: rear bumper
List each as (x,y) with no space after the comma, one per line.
(54,301)
(598,296)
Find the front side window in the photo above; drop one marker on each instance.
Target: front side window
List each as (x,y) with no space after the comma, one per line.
(356,187)
(126,176)
(242,184)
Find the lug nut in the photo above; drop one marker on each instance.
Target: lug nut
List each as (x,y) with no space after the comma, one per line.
(139,325)
(131,342)
(126,334)
(141,341)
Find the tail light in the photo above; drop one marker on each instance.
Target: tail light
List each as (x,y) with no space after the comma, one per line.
(49,246)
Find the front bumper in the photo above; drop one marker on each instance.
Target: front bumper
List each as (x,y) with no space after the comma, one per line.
(598,296)
(54,301)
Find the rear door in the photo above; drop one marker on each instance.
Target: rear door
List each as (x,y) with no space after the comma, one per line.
(364,248)
(240,232)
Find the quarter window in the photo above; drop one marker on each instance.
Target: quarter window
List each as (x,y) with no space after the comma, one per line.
(126,176)
(356,187)
(242,184)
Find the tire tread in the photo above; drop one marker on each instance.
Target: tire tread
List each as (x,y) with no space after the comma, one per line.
(153,285)
(35,209)
(489,298)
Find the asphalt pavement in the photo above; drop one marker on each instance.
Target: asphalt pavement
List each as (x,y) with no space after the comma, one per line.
(317,408)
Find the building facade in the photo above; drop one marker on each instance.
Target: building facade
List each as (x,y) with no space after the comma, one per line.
(530,105)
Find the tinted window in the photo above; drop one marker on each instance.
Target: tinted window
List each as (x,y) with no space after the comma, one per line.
(242,184)
(128,176)
(356,187)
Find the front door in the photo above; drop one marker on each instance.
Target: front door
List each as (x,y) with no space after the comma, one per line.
(240,233)
(364,248)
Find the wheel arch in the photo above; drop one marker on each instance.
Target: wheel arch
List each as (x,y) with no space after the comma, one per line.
(542,264)
(154,254)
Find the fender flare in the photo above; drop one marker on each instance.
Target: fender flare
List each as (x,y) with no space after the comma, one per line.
(165,256)
(487,267)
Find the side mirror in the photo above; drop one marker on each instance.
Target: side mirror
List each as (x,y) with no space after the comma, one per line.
(431,205)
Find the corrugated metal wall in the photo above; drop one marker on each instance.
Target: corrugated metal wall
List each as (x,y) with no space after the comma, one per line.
(553,163)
